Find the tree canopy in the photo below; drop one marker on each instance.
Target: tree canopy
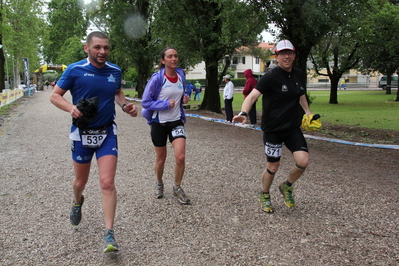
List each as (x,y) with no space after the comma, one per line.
(22,29)
(340,49)
(210,30)
(339,35)
(67,22)
(380,52)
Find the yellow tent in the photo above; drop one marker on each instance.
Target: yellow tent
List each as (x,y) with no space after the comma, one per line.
(44,68)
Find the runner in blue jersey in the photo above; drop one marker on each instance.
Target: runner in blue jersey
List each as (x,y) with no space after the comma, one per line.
(95,86)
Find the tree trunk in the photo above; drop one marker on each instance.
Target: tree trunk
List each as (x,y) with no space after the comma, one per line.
(302,55)
(211,100)
(145,67)
(17,79)
(334,76)
(141,81)
(301,62)
(2,75)
(2,60)
(397,95)
(389,82)
(334,89)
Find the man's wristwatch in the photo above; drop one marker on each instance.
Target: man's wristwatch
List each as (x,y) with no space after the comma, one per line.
(123,107)
(242,113)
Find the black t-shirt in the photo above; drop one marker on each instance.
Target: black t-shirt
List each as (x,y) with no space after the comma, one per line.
(281,91)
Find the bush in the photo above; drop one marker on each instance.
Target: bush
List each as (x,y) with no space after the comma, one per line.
(239,82)
(128,84)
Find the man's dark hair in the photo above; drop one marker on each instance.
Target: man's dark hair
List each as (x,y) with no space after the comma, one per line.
(97,34)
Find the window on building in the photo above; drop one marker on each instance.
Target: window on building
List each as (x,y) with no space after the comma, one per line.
(243,60)
(235,60)
(257,60)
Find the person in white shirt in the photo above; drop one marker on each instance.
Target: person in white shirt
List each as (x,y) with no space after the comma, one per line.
(228,94)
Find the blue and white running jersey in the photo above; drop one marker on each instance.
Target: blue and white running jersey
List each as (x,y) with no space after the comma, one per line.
(84,80)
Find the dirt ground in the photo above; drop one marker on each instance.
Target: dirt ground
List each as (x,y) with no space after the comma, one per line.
(347,201)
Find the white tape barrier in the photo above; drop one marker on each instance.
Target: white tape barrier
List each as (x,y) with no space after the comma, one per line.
(382,146)
(370,145)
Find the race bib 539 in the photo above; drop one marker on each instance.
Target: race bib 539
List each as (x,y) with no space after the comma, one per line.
(93,138)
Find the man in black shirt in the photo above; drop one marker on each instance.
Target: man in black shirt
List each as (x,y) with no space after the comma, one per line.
(283,95)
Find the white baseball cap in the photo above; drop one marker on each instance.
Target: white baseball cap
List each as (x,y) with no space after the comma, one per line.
(284,45)
(227,77)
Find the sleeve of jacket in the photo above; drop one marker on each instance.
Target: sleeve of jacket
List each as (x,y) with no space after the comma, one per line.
(247,88)
(231,90)
(183,76)
(150,95)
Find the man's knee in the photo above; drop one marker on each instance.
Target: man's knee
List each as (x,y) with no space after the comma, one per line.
(303,168)
(270,172)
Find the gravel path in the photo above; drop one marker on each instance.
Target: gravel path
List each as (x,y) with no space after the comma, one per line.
(346,214)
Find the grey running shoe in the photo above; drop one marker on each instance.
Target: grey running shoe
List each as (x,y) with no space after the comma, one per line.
(181,196)
(110,243)
(159,190)
(76,212)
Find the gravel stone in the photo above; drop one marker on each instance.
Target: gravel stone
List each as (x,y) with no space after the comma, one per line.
(346,214)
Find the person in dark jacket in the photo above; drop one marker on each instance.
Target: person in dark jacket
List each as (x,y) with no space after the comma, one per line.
(283,95)
(250,84)
(189,89)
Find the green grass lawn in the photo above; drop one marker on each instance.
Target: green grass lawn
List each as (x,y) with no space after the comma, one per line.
(369,109)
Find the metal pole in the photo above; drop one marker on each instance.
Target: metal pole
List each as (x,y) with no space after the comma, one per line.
(8,77)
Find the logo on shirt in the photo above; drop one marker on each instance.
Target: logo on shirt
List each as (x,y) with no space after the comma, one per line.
(111,78)
(180,87)
(88,74)
(284,88)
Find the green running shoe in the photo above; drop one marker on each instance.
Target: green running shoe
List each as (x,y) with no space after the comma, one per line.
(76,212)
(110,243)
(265,202)
(287,193)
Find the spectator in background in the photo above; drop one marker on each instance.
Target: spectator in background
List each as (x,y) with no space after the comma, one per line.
(46,83)
(342,84)
(197,91)
(250,83)
(189,89)
(228,94)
